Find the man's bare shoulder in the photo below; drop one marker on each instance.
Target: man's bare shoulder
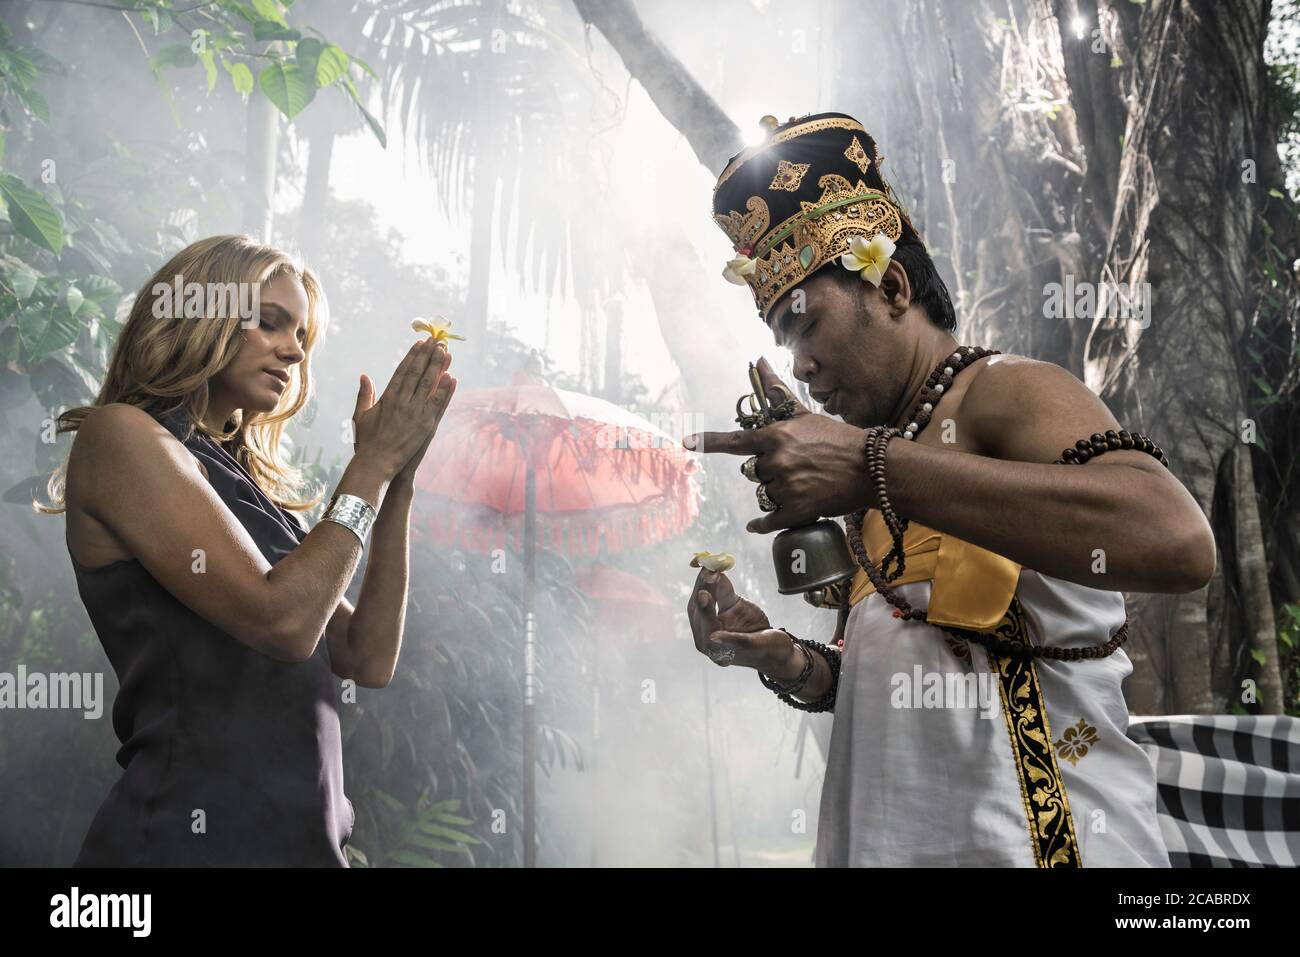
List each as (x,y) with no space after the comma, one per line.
(1002,381)
(1029,410)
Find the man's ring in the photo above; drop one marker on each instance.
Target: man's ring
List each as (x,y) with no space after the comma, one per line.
(764,500)
(749,468)
(722,656)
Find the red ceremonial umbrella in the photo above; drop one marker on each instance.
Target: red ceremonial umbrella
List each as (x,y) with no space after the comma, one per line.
(531,461)
(602,475)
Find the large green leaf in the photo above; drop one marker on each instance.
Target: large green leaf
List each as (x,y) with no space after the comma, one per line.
(33,217)
(324,62)
(240,75)
(266,30)
(107,332)
(44,328)
(333,64)
(19,67)
(33,100)
(307,53)
(210,68)
(20,276)
(451,834)
(99,288)
(44,62)
(270,10)
(285,85)
(73,298)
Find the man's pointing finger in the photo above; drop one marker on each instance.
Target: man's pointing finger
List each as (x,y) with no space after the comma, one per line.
(742,442)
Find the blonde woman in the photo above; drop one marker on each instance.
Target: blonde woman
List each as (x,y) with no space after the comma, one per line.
(224,619)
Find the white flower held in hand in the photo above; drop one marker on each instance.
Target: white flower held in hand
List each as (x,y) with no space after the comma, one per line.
(439,327)
(714,562)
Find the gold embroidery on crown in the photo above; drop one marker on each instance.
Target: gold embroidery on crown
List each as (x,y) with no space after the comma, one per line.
(807,241)
(789,175)
(744,230)
(858,156)
(825,236)
(834,186)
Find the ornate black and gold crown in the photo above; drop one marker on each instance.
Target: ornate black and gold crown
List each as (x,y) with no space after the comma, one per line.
(793,202)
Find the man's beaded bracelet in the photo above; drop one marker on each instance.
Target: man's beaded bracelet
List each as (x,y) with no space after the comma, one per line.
(795,685)
(1110,441)
(827,701)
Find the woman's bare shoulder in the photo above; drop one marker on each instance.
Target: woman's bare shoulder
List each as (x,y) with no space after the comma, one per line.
(116,422)
(118,433)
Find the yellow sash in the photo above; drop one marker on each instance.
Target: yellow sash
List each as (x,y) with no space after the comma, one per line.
(971,587)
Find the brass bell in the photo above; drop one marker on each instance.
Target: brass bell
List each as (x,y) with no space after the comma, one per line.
(811,557)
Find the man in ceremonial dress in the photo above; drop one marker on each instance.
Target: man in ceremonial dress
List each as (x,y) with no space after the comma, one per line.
(1012,506)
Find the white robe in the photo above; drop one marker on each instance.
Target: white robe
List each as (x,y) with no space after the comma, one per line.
(938,786)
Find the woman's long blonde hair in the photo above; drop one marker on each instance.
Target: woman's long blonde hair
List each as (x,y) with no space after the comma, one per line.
(159,365)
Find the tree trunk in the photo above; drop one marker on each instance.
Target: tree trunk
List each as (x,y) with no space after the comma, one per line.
(320,125)
(316,192)
(262,136)
(677,94)
(1182,223)
(1252,569)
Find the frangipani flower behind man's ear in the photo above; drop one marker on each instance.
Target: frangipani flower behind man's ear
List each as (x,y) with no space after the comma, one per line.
(869,259)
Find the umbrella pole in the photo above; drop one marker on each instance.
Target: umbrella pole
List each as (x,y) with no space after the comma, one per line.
(595,750)
(530,713)
(708,751)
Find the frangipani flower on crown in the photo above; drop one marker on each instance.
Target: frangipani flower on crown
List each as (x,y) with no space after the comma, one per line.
(713,561)
(737,269)
(869,259)
(439,327)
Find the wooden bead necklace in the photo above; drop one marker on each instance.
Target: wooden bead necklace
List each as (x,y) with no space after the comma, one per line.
(878,438)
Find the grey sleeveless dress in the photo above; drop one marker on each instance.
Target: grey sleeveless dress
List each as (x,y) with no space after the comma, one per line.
(229,757)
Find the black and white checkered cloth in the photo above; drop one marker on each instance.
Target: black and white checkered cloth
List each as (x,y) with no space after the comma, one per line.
(1229,787)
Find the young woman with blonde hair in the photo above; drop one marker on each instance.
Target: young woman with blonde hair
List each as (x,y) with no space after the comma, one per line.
(224,619)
